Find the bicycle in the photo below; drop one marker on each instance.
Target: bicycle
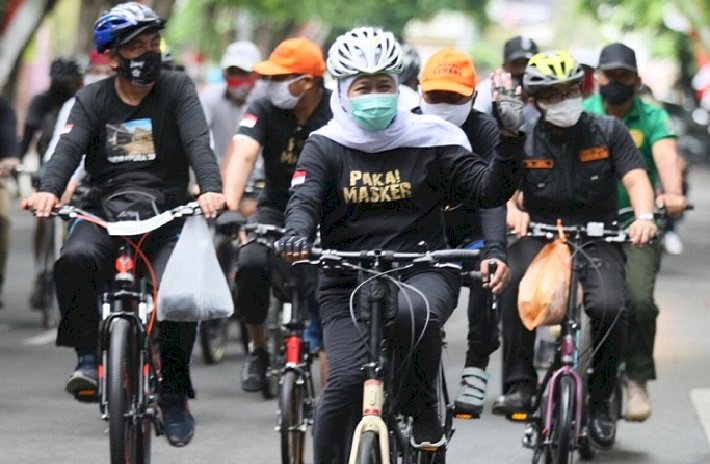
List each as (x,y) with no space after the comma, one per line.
(557,426)
(383,435)
(129,369)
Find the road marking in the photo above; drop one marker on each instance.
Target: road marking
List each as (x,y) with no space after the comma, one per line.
(42,339)
(701,401)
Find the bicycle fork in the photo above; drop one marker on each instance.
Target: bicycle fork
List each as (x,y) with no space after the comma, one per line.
(373,399)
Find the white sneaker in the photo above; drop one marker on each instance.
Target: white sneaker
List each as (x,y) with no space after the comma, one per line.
(672,243)
(638,403)
(474,384)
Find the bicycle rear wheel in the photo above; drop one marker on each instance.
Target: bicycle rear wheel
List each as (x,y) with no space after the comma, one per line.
(122,391)
(369,450)
(213,339)
(275,344)
(292,420)
(560,450)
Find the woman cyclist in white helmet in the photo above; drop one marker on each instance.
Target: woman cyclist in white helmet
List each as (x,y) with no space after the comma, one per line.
(377,178)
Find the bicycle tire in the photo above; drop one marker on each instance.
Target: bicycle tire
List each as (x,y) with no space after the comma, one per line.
(369,450)
(560,449)
(275,341)
(50,253)
(214,335)
(291,418)
(122,389)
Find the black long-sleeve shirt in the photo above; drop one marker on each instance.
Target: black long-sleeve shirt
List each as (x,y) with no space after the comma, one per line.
(468,224)
(151,144)
(393,200)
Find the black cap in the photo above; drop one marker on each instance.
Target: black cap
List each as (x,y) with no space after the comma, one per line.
(519,47)
(617,56)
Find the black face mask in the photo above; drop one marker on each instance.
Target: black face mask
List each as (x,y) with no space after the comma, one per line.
(617,93)
(142,70)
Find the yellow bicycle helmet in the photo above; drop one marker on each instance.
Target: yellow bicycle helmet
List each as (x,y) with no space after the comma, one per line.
(551,68)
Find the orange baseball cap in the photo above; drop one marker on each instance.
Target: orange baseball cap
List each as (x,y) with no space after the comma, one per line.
(451,70)
(293,56)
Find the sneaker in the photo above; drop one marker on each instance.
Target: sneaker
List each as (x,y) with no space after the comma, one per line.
(672,243)
(83,383)
(427,431)
(638,402)
(602,428)
(474,384)
(178,423)
(517,400)
(254,371)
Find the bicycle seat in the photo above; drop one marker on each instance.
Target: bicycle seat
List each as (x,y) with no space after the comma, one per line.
(229,222)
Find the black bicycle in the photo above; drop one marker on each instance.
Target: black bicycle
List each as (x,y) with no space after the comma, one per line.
(129,370)
(384,434)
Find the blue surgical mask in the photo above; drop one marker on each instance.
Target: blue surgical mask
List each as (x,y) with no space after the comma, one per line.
(373,112)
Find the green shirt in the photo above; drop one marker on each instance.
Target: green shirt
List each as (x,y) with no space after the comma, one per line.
(647,125)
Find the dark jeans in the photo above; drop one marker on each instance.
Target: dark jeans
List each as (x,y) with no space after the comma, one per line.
(642,265)
(340,405)
(83,271)
(483,332)
(254,271)
(603,300)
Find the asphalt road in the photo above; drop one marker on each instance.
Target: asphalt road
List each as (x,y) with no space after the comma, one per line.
(39,423)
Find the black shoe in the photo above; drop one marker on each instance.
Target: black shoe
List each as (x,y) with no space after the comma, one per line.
(83,383)
(517,400)
(254,371)
(427,431)
(178,423)
(602,428)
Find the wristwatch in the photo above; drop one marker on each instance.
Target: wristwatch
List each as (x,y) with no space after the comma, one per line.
(645,217)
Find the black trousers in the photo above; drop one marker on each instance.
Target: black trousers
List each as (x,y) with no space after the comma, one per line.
(604,303)
(82,272)
(483,332)
(340,404)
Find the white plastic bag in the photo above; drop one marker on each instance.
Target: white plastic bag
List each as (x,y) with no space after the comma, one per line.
(193,286)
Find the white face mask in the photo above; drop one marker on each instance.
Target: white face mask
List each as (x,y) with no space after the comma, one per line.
(455,114)
(565,113)
(280,95)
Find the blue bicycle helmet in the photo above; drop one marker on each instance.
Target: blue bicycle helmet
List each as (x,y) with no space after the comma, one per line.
(122,23)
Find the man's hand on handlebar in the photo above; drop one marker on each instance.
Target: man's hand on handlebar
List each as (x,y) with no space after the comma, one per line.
(211,203)
(41,203)
(517,220)
(641,231)
(674,204)
(500,278)
(294,248)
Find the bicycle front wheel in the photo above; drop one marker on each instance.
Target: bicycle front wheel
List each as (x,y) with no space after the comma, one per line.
(292,420)
(561,449)
(121,373)
(369,450)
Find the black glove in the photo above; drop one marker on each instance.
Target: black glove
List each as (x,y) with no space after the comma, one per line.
(508,110)
(294,247)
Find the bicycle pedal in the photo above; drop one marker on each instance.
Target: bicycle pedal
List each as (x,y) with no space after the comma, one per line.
(518,416)
(87,396)
(466,416)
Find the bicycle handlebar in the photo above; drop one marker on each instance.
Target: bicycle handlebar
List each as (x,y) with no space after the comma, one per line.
(592,230)
(129,228)
(436,256)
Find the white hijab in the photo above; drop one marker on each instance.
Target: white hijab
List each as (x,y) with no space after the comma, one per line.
(407,130)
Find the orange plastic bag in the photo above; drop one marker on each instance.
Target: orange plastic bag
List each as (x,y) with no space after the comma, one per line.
(544,289)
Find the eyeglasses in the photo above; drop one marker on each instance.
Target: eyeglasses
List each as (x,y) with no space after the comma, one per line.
(557,96)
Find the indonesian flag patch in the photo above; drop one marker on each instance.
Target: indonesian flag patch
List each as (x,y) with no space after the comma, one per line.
(299,177)
(248,120)
(66,129)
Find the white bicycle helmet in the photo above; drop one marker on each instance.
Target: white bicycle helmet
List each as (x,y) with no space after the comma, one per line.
(364,50)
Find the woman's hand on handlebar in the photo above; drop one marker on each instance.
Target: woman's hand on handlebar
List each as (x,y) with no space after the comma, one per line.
(500,278)
(294,248)
(641,231)
(211,203)
(41,203)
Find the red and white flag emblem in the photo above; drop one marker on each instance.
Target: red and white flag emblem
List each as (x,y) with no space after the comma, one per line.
(249,120)
(299,177)
(66,129)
